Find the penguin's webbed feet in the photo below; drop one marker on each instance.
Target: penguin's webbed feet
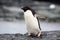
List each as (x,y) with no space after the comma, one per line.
(29,34)
(33,35)
(39,34)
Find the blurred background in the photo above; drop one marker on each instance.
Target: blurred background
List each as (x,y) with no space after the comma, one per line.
(12,18)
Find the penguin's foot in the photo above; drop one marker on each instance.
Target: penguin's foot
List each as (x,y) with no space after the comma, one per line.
(29,34)
(38,35)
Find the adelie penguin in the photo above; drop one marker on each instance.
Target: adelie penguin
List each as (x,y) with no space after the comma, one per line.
(32,21)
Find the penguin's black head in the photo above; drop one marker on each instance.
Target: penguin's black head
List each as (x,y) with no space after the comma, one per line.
(28,8)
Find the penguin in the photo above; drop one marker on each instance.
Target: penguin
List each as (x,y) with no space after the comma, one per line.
(32,21)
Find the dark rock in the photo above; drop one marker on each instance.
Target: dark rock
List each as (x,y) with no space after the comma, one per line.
(54,35)
(17,35)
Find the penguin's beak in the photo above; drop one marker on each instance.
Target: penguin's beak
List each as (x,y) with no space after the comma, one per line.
(22,9)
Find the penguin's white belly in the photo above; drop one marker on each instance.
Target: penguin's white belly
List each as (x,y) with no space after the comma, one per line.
(32,24)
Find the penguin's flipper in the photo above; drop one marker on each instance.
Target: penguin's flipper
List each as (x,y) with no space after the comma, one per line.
(38,21)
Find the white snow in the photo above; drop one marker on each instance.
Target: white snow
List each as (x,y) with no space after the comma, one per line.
(20,27)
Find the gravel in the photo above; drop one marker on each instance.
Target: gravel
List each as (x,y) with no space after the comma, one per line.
(46,35)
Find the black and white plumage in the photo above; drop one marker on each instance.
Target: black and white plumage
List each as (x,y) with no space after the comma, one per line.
(32,22)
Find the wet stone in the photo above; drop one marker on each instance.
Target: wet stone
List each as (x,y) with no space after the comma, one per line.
(45,36)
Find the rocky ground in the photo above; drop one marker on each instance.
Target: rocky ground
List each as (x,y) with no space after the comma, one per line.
(52,35)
